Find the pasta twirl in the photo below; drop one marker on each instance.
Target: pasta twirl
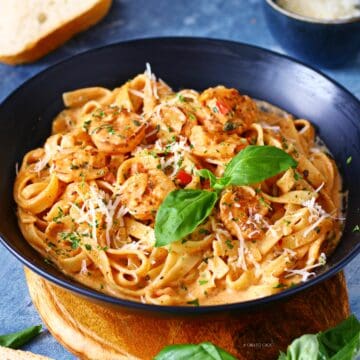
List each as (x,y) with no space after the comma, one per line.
(87,200)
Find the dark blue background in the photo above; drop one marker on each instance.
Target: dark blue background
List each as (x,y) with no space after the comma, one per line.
(240,20)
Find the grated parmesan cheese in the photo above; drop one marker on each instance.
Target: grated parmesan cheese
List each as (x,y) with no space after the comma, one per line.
(178,149)
(84,270)
(304,272)
(323,9)
(40,165)
(97,203)
(242,246)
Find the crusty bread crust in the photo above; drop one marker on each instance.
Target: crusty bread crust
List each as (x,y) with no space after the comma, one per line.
(60,35)
(10,354)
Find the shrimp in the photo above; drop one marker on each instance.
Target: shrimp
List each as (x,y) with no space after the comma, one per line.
(214,145)
(228,110)
(115,131)
(79,164)
(242,209)
(142,193)
(169,121)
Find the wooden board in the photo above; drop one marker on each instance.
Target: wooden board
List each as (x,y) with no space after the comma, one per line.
(93,331)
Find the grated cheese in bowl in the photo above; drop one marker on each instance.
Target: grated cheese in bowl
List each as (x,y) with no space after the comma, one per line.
(322,9)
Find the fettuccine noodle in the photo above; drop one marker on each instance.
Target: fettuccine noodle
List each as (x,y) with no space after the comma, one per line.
(87,199)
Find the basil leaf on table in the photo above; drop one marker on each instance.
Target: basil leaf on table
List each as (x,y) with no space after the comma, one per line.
(305,347)
(202,351)
(17,339)
(181,212)
(255,164)
(339,343)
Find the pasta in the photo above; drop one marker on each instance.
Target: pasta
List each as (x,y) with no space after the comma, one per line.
(87,200)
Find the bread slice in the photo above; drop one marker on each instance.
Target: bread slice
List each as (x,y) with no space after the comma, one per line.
(30,29)
(10,354)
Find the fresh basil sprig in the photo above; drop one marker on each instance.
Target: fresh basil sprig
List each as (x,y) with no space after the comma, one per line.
(339,343)
(183,210)
(203,351)
(17,339)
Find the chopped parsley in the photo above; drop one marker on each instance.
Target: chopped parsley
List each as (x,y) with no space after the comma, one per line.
(136,122)
(229,126)
(73,237)
(279,286)
(107,127)
(356,228)
(86,125)
(263,202)
(60,214)
(349,160)
(194,302)
(110,130)
(88,247)
(203,282)
(204,231)
(297,176)
(229,244)
(181,98)
(99,113)
(48,261)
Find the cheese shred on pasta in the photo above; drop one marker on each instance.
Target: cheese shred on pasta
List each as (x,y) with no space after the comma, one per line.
(87,199)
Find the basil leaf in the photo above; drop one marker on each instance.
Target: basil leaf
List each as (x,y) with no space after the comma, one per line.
(339,343)
(344,339)
(255,164)
(181,212)
(15,340)
(305,347)
(207,174)
(203,351)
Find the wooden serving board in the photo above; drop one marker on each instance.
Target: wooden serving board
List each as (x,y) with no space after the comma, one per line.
(92,331)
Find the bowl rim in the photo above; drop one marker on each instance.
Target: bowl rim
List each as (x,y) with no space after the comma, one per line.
(175,310)
(339,21)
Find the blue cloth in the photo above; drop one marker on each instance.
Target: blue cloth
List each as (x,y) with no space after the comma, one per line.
(240,20)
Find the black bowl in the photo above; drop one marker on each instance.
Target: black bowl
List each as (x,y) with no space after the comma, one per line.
(26,117)
(328,43)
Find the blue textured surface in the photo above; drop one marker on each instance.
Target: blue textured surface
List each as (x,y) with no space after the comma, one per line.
(240,20)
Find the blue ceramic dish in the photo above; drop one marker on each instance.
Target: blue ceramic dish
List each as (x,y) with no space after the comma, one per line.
(327,43)
(26,117)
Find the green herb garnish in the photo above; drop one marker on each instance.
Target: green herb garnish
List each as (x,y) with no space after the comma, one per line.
(183,211)
(203,351)
(339,343)
(194,302)
(349,160)
(136,122)
(180,213)
(17,339)
(86,125)
(59,215)
(73,237)
(229,126)
(229,244)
